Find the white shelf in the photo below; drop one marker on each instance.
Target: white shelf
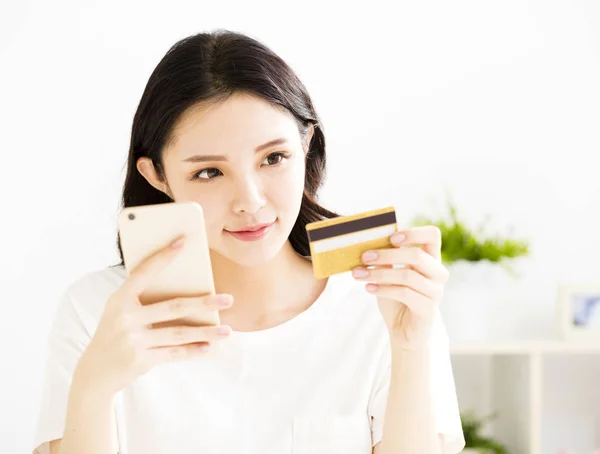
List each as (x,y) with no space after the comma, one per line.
(524,347)
(530,384)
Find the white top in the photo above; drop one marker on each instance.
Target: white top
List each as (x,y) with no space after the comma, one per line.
(314,384)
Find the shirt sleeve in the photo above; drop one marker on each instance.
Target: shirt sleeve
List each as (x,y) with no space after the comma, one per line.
(66,342)
(443,390)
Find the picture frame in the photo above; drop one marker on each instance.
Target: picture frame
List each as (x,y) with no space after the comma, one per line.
(579,311)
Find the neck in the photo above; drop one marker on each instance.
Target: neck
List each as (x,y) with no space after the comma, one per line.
(281,285)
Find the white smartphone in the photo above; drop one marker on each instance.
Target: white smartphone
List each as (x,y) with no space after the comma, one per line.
(143,230)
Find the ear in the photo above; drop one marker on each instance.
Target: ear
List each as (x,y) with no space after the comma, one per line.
(148,171)
(311,133)
(308,139)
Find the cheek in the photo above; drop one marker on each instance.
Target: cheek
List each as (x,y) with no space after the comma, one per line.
(286,191)
(212,204)
(214,208)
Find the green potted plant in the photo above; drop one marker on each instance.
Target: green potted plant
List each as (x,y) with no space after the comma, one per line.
(475,441)
(460,243)
(481,269)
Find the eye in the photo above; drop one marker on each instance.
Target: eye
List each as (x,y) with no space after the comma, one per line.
(272,160)
(206,174)
(276,158)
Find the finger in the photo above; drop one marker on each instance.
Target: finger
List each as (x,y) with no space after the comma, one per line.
(416,302)
(400,276)
(180,307)
(160,355)
(416,258)
(180,335)
(429,237)
(146,270)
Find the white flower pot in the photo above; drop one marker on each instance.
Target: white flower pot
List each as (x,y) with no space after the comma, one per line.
(472,298)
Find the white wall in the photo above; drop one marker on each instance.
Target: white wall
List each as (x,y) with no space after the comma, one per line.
(498,101)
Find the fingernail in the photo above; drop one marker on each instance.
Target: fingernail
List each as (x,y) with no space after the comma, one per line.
(360,272)
(223,330)
(224,300)
(398,238)
(371,287)
(177,243)
(369,256)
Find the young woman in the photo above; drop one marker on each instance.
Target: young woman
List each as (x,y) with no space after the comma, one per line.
(354,364)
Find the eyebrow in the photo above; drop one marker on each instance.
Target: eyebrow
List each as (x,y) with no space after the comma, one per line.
(214,157)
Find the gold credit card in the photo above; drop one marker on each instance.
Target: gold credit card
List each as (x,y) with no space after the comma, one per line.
(337,245)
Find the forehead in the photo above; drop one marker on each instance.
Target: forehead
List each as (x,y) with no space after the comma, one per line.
(239,123)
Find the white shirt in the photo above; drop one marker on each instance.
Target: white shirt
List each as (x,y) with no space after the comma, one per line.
(315,384)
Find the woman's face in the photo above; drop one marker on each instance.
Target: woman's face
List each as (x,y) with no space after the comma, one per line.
(243,161)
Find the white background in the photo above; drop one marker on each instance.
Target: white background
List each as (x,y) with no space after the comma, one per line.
(498,101)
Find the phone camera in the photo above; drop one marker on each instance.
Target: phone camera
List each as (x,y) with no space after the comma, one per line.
(132,216)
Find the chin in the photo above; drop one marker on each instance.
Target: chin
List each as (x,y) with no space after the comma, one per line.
(255,258)
(253,261)
(252,254)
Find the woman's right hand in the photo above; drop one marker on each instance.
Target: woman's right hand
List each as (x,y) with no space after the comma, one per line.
(125,345)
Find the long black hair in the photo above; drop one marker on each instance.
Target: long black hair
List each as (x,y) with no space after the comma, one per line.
(210,67)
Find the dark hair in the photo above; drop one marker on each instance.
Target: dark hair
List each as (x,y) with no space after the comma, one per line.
(210,67)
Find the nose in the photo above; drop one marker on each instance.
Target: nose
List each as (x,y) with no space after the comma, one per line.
(249,196)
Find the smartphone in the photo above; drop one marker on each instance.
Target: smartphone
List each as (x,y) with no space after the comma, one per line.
(143,230)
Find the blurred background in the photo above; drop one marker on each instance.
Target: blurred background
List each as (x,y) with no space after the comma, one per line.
(479,116)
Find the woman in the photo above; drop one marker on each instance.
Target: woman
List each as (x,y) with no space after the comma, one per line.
(356,363)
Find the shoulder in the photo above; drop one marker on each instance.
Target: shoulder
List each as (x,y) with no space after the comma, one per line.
(97,282)
(356,312)
(351,297)
(86,296)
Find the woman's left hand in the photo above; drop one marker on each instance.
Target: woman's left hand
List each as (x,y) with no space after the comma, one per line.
(408,297)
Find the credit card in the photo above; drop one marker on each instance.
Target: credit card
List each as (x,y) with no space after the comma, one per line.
(337,245)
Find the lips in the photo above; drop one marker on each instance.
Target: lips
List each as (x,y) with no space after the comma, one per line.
(251,232)
(251,228)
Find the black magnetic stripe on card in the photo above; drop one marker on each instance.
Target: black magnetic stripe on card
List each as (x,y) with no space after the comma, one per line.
(355,225)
